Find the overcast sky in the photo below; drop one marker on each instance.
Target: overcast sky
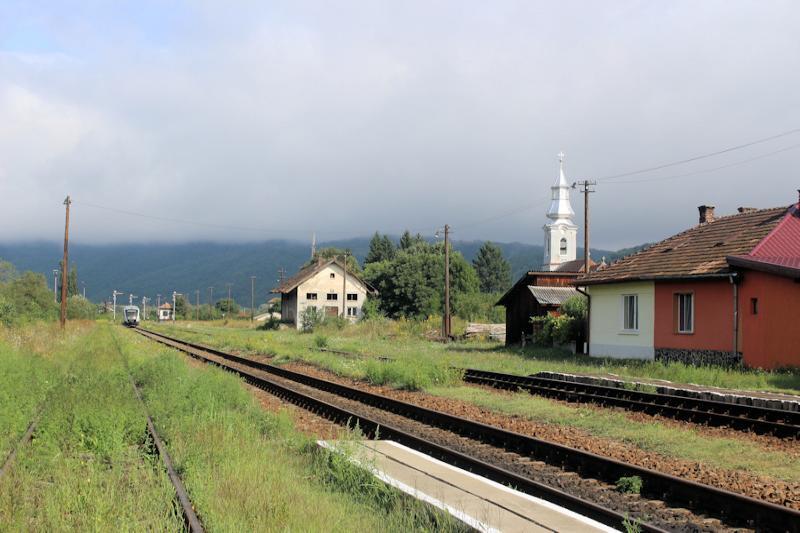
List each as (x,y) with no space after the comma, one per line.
(276,119)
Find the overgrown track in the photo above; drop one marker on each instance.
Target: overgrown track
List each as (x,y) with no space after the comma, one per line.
(26,438)
(734,509)
(187,509)
(762,420)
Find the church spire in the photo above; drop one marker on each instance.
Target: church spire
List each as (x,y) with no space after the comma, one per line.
(560,207)
(560,234)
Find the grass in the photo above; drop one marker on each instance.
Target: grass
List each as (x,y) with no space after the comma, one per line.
(424,365)
(420,362)
(247,469)
(90,466)
(86,468)
(671,441)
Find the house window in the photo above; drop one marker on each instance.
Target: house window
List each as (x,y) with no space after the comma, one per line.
(563,247)
(332,297)
(630,312)
(754,306)
(684,312)
(311,296)
(333,275)
(352,311)
(352,297)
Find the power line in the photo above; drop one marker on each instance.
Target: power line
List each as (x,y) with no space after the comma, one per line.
(703,156)
(693,173)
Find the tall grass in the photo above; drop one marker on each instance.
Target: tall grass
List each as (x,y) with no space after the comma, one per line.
(247,469)
(87,468)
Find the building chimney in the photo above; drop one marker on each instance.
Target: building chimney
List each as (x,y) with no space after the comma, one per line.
(745,209)
(706,213)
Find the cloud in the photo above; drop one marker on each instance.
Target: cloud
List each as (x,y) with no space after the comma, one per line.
(349,118)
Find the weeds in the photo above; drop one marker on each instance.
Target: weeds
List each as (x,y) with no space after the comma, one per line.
(629,485)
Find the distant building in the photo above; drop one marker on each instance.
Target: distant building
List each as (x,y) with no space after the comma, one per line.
(725,292)
(543,290)
(321,285)
(165,311)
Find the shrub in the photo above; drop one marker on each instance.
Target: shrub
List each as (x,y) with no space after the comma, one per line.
(630,485)
(321,341)
(6,311)
(79,307)
(310,318)
(272,323)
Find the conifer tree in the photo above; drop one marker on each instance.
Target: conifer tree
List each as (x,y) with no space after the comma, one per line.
(494,272)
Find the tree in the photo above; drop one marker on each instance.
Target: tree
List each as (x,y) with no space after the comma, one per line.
(180,306)
(330,253)
(229,307)
(407,241)
(494,272)
(412,284)
(381,248)
(30,297)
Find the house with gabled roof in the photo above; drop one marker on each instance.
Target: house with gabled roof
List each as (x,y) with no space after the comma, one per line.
(723,292)
(326,286)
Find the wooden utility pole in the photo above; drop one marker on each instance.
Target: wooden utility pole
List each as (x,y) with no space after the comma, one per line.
(344,287)
(65,267)
(228,307)
(446,328)
(586,189)
(197,304)
(252,298)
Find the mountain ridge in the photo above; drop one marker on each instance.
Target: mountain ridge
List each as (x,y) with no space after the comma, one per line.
(159,268)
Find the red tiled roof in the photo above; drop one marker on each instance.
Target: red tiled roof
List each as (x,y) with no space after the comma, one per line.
(698,251)
(784,240)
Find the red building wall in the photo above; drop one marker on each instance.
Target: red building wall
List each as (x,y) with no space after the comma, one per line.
(770,338)
(713,315)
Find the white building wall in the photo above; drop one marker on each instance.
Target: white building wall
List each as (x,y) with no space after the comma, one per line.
(607,337)
(553,233)
(323,284)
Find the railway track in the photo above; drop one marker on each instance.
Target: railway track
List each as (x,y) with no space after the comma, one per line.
(777,422)
(506,456)
(190,517)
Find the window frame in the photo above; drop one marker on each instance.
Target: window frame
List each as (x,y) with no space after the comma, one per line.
(354,296)
(352,311)
(678,307)
(754,306)
(311,296)
(623,328)
(563,246)
(332,297)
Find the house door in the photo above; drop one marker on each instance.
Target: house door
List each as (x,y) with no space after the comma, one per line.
(331,310)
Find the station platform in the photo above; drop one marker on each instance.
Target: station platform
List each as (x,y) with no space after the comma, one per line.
(480,503)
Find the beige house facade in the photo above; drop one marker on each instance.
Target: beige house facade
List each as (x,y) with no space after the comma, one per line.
(325,286)
(621,321)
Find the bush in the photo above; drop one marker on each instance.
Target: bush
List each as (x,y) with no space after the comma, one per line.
(79,307)
(630,485)
(371,309)
(6,311)
(321,341)
(311,318)
(272,323)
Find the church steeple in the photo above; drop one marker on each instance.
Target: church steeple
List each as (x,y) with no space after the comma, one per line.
(560,235)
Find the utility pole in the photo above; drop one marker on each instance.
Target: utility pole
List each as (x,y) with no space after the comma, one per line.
(144,306)
(131,297)
(211,302)
(114,309)
(586,189)
(313,245)
(344,287)
(197,304)
(174,294)
(228,307)
(65,267)
(83,283)
(281,274)
(252,298)
(446,325)
(55,285)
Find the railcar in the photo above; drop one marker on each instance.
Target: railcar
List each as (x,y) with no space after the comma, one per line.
(130,316)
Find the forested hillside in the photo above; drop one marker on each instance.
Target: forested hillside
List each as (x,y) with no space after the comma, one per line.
(150,269)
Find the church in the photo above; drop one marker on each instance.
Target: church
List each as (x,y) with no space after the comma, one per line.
(544,289)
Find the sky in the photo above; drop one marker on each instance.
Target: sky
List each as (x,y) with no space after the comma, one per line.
(248,121)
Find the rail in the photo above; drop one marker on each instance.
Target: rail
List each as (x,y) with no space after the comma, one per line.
(729,506)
